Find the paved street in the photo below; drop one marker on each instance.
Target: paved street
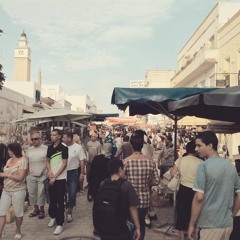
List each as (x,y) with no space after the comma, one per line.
(33,228)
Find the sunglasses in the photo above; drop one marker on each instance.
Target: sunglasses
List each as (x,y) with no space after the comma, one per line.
(35,139)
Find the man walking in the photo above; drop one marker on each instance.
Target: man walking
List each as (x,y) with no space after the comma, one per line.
(94,148)
(116,204)
(166,156)
(142,173)
(57,156)
(76,157)
(37,165)
(126,148)
(216,182)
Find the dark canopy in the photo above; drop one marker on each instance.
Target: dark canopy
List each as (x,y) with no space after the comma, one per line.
(101,117)
(151,100)
(224,127)
(220,104)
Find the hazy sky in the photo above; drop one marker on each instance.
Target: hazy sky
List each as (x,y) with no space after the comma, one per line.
(92,46)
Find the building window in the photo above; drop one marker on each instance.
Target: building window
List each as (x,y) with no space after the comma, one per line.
(37,96)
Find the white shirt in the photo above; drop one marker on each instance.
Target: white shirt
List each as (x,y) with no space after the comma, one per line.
(187,166)
(75,155)
(118,142)
(147,151)
(37,160)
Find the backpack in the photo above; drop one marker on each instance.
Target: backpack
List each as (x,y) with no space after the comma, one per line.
(109,213)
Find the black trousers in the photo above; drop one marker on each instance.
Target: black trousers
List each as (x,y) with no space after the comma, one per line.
(57,195)
(142,214)
(236,226)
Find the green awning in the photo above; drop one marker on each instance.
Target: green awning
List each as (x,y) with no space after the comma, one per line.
(143,101)
(221,104)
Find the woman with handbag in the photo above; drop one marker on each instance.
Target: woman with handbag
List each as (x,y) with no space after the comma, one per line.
(14,190)
(187,167)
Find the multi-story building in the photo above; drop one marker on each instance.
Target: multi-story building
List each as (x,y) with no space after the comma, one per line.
(228,64)
(159,78)
(54,95)
(211,57)
(197,60)
(82,103)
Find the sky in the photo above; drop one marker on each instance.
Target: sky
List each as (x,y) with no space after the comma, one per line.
(92,46)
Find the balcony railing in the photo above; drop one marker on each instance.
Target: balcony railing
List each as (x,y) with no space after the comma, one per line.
(205,58)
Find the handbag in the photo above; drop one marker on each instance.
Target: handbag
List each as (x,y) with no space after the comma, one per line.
(175,181)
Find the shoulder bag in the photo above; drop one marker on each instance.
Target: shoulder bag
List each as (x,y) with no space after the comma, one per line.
(175,181)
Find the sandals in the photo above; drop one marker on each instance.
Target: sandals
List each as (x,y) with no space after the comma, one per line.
(41,214)
(34,213)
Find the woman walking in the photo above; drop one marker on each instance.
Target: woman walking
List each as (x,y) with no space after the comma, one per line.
(14,187)
(187,167)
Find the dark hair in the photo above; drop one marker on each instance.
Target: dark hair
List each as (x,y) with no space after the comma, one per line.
(190,147)
(58,131)
(169,138)
(137,143)
(126,138)
(139,133)
(68,134)
(114,165)
(16,149)
(208,137)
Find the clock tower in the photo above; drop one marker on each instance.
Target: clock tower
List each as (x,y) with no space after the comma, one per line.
(22,60)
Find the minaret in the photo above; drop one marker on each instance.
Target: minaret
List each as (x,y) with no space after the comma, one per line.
(40,77)
(22,60)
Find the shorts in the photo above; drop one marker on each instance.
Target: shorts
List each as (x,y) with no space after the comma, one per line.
(215,233)
(16,198)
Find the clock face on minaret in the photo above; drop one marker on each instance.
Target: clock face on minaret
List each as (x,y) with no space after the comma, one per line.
(20,52)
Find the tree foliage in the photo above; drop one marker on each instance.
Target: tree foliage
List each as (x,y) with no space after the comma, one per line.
(2,76)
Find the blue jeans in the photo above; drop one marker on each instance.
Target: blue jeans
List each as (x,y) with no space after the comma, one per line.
(72,187)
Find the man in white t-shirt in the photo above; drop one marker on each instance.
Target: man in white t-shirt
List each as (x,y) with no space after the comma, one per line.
(76,157)
(36,157)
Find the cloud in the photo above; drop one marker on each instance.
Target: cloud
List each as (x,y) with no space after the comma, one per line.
(84,33)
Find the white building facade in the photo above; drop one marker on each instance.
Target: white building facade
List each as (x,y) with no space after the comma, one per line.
(211,57)
(82,103)
(197,60)
(13,106)
(159,78)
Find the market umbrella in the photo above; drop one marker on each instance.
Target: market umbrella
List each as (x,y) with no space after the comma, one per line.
(143,101)
(54,115)
(224,127)
(219,104)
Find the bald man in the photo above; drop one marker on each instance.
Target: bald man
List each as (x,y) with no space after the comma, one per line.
(94,148)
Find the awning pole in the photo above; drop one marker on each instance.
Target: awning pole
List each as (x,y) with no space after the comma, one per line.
(175,138)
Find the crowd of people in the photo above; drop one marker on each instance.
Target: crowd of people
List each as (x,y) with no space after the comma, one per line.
(120,173)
